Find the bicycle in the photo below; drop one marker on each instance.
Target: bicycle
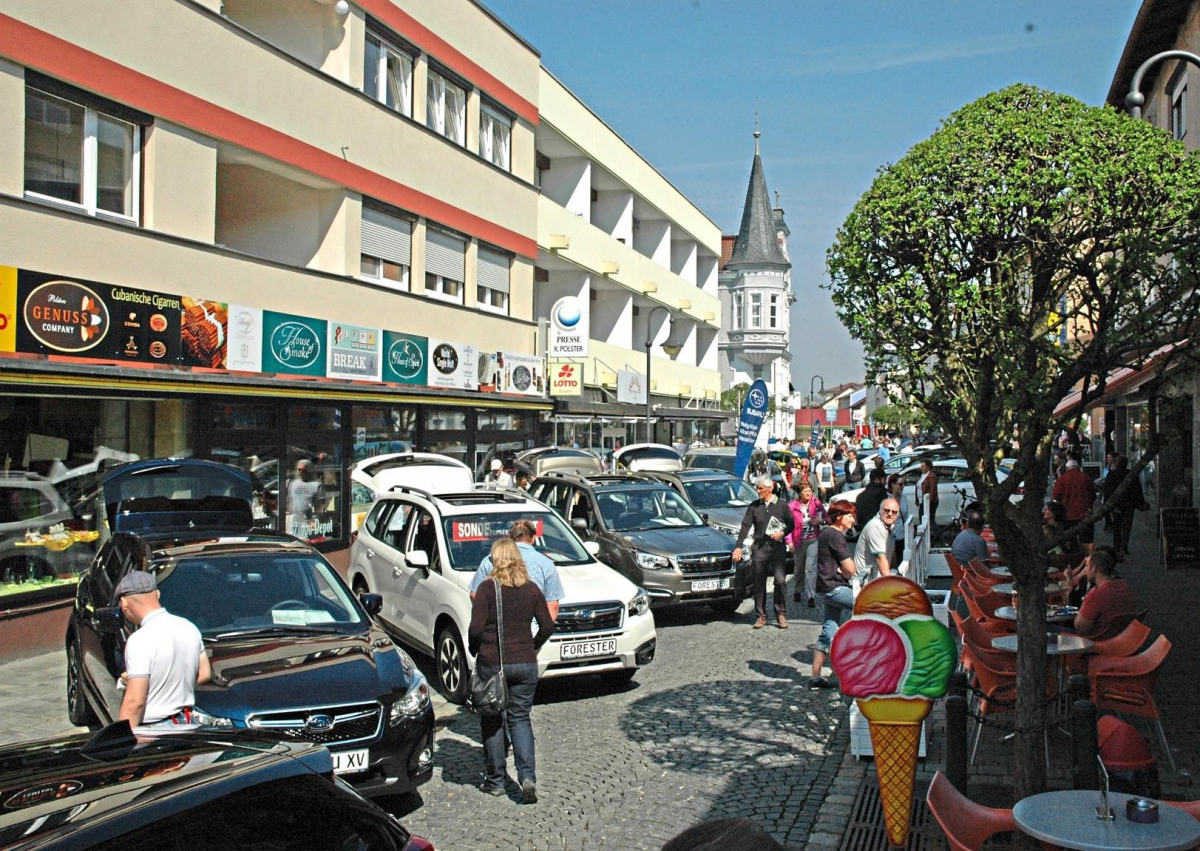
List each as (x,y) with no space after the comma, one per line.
(966,502)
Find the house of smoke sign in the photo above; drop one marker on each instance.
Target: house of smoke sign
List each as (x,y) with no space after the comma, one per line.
(754,411)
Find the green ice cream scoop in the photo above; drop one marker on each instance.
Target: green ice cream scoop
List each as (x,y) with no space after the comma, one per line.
(934,657)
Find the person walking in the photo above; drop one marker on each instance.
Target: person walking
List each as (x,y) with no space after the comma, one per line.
(1124,505)
(164,657)
(873,555)
(835,567)
(808,513)
(873,495)
(856,471)
(824,471)
(769,521)
(927,486)
(522,603)
(541,570)
(1077,493)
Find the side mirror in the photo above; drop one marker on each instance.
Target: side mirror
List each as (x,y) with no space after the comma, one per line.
(592,547)
(108,620)
(704,517)
(579,525)
(373,603)
(417,558)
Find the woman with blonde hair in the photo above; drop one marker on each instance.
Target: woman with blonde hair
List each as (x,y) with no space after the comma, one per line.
(521,602)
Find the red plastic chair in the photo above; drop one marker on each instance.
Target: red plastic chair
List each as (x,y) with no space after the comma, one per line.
(1192,807)
(956,578)
(1126,685)
(984,574)
(1126,643)
(966,824)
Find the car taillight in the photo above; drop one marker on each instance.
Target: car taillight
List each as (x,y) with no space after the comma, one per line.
(416,843)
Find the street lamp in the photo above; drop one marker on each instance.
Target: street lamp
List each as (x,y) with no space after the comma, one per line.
(812,393)
(1135,98)
(670,349)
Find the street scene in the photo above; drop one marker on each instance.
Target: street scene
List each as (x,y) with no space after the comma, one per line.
(515,426)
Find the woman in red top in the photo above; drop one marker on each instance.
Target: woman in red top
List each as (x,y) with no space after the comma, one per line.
(522,603)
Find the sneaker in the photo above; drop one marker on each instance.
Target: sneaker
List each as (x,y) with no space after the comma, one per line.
(781,622)
(528,792)
(796,597)
(760,623)
(812,604)
(817,683)
(491,789)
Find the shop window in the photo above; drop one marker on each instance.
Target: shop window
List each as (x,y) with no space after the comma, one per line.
(312,496)
(79,156)
(382,430)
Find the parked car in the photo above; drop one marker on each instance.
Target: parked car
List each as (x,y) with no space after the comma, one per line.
(292,650)
(426,470)
(36,523)
(557,459)
(202,788)
(954,488)
(639,457)
(719,498)
(651,535)
(420,550)
(724,457)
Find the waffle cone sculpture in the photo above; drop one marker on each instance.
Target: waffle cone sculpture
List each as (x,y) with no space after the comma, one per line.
(894,658)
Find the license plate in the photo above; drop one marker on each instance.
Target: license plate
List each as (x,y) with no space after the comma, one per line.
(351,762)
(587,649)
(710,584)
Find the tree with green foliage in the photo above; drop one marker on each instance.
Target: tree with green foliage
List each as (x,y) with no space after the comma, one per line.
(894,416)
(1014,256)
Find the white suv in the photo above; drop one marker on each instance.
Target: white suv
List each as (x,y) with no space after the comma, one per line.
(420,551)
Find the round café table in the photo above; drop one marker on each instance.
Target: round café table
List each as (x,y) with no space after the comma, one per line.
(1007,589)
(1068,819)
(1054,614)
(1057,644)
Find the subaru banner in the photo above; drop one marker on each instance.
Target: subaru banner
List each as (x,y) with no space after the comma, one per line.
(754,411)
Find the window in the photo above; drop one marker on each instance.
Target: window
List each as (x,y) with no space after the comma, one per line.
(492,285)
(756,310)
(495,133)
(386,249)
(387,74)
(1179,110)
(445,264)
(737,310)
(446,108)
(81,156)
(773,313)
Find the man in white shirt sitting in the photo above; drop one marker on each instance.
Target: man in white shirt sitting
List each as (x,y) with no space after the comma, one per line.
(873,555)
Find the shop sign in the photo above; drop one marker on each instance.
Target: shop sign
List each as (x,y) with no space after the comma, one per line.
(566,379)
(570,326)
(524,374)
(354,352)
(631,387)
(453,365)
(293,344)
(405,358)
(8,309)
(205,333)
(94,320)
(245,350)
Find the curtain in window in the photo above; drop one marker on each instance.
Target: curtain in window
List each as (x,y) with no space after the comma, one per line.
(399,83)
(456,114)
(435,110)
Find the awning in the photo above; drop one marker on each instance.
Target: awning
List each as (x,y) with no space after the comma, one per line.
(1121,381)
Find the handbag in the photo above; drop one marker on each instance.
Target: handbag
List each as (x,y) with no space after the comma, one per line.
(490,696)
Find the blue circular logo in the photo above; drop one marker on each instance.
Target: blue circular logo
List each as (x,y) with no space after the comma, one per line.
(567,312)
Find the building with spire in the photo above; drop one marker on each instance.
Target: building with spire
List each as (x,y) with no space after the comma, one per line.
(755,288)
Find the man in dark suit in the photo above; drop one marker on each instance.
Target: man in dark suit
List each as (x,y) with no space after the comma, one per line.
(768,521)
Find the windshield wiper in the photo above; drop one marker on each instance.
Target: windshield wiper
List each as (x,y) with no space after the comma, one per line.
(278,629)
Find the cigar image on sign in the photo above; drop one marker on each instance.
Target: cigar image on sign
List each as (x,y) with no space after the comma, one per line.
(894,658)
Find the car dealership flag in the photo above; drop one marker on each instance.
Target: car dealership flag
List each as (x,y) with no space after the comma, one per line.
(754,411)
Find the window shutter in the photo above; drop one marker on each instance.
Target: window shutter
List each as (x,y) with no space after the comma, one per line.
(445,255)
(493,270)
(386,237)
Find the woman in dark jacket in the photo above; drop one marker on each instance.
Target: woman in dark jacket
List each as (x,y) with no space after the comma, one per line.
(1124,506)
(522,603)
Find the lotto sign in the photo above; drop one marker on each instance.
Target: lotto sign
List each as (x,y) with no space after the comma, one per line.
(566,379)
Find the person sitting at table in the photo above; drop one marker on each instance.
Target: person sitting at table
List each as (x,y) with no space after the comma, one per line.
(969,543)
(1110,606)
(1054,521)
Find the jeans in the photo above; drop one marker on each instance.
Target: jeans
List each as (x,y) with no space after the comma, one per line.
(522,679)
(806,567)
(836,606)
(768,561)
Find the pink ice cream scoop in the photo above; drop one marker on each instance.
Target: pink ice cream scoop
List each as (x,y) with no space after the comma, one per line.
(869,657)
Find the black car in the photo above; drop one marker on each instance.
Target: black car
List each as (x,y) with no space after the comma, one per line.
(193,789)
(650,534)
(292,650)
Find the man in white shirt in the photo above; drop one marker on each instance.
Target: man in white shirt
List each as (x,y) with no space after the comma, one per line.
(497,476)
(164,658)
(873,555)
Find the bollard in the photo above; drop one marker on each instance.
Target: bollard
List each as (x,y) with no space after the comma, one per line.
(956,741)
(1078,688)
(1085,749)
(958,684)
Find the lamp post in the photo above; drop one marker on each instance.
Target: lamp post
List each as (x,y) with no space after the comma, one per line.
(671,350)
(812,394)
(1135,99)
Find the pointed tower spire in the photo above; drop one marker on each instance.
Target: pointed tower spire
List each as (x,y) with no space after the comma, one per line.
(756,240)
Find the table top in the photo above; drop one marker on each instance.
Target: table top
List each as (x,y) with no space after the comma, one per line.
(1054,614)
(1008,588)
(1068,819)
(1057,644)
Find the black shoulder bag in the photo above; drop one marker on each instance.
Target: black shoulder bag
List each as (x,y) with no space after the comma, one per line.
(490,696)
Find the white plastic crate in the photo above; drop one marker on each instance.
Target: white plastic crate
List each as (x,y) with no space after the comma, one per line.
(940,600)
(860,735)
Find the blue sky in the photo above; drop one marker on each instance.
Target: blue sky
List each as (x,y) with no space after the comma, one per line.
(841,89)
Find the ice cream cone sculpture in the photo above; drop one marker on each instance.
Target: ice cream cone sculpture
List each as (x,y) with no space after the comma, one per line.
(894,658)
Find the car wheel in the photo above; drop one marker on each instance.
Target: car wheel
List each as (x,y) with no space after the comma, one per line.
(78,711)
(451,660)
(619,678)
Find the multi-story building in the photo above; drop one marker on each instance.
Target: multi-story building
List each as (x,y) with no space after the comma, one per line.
(756,300)
(636,263)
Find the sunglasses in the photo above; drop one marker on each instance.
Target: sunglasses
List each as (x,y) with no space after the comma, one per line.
(889,511)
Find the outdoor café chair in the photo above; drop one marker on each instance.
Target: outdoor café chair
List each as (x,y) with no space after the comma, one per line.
(1126,685)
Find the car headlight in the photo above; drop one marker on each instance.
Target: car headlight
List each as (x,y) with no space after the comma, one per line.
(650,561)
(414,702)
(640,604)
(199,716)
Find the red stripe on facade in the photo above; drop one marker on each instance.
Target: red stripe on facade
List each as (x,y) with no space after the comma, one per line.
(424,38)
(51,55)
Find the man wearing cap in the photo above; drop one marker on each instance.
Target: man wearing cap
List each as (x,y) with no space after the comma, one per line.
(1077,493)
(164,657)
(496,475)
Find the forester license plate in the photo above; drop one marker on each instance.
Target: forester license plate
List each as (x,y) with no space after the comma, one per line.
(587,649)
(351,762)
(710,584)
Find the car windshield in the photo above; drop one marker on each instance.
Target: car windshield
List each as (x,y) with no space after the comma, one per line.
(244,593)
(719,493)
(470,537)
(648,508)
(714,460)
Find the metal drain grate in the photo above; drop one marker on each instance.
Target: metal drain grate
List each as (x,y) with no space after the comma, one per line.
(866,831)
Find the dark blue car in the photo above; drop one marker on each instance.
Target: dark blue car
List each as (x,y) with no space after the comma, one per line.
(293,652)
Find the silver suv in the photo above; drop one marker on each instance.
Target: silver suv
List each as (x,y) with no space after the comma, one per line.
(30,547)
